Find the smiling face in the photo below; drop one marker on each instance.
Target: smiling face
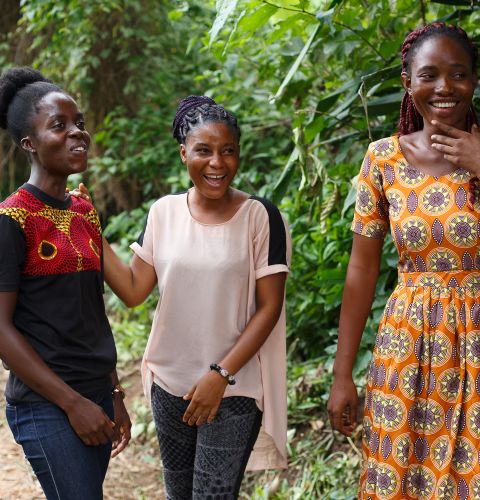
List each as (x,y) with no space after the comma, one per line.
(59,142)
(211,154)
(441,81)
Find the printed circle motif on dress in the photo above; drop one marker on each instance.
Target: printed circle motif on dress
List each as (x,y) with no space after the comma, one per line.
(384,148)
(436,199)
(420,481)
(461,230)
(472,348)
(440,348)
(415,314)
(460,176)
(47,250)
(388,481)
(383,341)
(471,284)
(402,449)
(441,452)
(408,176)
(367,431)
(399,311)
(473,420)
(449,384)
(425,416)
(416,234)
(371,480)
(464,456)
(475,486)
(376,176)
(375,229)
(446,488)
(443,259)
(394,413)
(365,199)
(411,381)
(402,345)
(396,201)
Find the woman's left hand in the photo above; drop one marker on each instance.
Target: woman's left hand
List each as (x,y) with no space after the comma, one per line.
(205,398)
(121,436)
(459,147)
(80,192)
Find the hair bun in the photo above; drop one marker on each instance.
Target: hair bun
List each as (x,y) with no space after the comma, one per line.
(13,80)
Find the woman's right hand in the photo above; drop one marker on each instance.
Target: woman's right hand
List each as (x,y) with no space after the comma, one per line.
(90,422)
(80,192)
(342,405)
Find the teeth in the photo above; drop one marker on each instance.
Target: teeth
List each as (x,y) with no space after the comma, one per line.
(216,177)
(80,148)
(444,104)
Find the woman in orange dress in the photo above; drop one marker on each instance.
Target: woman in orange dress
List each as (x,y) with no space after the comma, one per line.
(422,411)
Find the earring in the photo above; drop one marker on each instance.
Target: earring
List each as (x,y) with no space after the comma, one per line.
(409,91)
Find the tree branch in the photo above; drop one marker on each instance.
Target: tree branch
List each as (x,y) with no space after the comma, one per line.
(300,11)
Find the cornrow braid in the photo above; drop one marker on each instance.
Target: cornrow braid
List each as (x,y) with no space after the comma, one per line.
(193,111)
(410,119)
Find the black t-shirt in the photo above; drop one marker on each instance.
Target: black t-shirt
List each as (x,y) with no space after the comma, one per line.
(50,254)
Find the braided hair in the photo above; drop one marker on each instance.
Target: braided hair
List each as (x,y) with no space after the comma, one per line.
(194,110)
(410,119)
(20,91)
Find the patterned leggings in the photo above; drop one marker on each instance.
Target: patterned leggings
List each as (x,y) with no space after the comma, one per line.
(205,462)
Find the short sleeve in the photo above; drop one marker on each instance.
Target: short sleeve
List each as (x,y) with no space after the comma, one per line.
(272,243)
(143,247)
(371,207)
(12,254)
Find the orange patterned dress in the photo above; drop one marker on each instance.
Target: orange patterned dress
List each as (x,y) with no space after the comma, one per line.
(422,410)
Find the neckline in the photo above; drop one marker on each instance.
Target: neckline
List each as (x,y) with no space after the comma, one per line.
(421,172)
(232,218)
(46,198)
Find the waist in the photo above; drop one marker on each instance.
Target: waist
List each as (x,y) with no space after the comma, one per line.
(446,279)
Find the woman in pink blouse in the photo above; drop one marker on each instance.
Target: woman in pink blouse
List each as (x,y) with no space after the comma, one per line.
(214,366)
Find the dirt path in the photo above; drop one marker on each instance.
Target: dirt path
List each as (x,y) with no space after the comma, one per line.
(133,475)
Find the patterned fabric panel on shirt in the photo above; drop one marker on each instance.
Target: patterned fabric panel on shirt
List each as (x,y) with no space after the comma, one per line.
(58,241)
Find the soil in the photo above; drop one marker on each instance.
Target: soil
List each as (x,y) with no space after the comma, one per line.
(132,475)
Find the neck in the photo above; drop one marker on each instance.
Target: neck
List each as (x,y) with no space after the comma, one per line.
(54,187)
(212,205)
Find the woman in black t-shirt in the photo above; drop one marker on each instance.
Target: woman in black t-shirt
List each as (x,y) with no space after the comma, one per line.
(64,404)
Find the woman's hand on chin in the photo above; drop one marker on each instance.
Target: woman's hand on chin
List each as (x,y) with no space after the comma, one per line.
(458,147)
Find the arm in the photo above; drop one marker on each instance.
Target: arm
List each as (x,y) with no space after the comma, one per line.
(87,419)
(123,424)
(131,283)
(361,279)
(207,394)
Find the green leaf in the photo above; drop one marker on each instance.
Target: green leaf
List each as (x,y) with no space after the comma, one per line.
(256,20)
(295,65)
(225,8)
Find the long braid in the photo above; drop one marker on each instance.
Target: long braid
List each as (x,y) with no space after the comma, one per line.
(410,119)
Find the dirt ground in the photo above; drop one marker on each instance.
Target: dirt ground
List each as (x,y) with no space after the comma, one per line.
(133,475)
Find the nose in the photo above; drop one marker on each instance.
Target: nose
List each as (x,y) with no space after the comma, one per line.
(443,86)
(215,160)
(75,131)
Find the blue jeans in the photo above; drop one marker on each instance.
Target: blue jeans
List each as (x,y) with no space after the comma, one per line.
(66,468)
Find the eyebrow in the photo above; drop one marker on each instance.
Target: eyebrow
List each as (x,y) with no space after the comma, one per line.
(454,65)
(60,115)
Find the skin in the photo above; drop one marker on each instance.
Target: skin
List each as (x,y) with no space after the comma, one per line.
(440,71)
(57,129)
(211,149)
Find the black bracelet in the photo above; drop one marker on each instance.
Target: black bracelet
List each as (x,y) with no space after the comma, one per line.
(224,373)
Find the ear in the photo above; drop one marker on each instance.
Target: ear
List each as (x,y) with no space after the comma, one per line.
(183,153)
(27,145)
(406,82)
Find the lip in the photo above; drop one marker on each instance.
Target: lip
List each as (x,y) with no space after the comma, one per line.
(83,148)
(444,104)
(214,180)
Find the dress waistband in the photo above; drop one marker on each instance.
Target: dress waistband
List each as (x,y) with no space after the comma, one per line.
(447,279)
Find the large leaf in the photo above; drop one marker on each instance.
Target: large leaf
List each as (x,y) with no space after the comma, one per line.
(225,8)
(296,64)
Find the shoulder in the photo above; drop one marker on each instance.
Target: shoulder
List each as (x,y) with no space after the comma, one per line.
(385,148)
(265,207)
(267,215)
(169,200)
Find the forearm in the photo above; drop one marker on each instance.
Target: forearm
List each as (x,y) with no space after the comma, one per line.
(356,305)
(27,365)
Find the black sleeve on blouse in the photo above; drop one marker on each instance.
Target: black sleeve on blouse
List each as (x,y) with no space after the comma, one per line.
(277,247)
(12,253)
